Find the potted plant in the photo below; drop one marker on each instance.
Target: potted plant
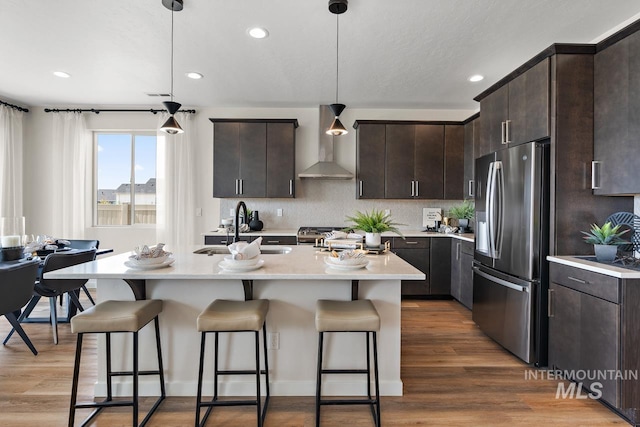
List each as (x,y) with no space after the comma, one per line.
(605,240)
(373,224)
(463,213)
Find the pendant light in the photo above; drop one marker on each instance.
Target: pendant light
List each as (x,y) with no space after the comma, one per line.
(171,126)
(337,7)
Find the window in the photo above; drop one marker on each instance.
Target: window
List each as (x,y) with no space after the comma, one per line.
(125,178)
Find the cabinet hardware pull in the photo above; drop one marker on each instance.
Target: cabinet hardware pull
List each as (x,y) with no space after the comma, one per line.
(411,243)
(595,174)
(360,190)
(471,186)
(417,188)
(242,186)
(237,186)
(584,282)
(503,139)
(549,303)
(413,191)
(457,251)
(507,127)
(273,241)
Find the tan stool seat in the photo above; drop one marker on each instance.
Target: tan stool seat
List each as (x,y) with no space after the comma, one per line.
(346,316)
(116,316)
(227,315)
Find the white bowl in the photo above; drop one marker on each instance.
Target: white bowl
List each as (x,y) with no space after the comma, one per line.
(149,261)
(348,261)
(226,221)
(245,262)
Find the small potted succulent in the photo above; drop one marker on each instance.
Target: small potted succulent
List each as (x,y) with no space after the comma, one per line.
(373,224)
(463,213)
(605,240)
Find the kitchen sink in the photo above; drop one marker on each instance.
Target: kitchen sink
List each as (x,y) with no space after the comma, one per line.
(223,250)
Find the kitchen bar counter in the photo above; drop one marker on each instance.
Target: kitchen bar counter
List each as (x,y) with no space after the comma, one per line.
(292,283)
(590,264)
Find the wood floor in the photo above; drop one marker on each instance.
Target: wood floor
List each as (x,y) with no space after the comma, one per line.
(453,375)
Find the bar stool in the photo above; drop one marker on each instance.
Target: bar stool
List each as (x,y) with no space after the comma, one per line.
(111,317)
(233,316)
(348,316)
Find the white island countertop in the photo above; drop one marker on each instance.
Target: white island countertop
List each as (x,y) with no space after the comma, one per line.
(303,262)
(589,264)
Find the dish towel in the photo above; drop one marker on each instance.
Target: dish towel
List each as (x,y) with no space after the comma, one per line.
(244,250)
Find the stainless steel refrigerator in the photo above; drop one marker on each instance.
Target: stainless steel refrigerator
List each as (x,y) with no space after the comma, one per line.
(512,227)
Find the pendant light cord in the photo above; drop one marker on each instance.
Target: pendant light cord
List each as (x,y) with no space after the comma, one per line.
(172,12)
(337,52)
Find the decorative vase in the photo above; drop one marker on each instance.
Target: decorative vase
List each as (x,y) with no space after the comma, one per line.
(372,240)
(605,253)
(255,224)
(463,223)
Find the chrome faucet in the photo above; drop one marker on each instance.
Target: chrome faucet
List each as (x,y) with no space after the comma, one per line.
(244,215)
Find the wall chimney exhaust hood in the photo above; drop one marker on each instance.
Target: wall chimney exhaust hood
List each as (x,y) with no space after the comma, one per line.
(325,168)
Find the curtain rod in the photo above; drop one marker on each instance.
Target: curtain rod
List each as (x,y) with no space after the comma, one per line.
(15,107)
(98,111)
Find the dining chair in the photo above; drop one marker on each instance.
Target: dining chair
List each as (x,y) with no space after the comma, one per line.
(84,244)
(53,288)
(16,288)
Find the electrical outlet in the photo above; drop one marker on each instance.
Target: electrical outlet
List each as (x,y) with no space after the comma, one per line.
(279,212)
(387,211)
(198,211)
(274,340)
(232,212)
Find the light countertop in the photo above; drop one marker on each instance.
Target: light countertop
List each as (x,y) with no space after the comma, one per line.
(304,262)
(596,267)
(407,233)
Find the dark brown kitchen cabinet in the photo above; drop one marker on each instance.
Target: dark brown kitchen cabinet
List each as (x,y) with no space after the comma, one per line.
(414,250)
(409,160)
(593,328)
(517,112)
(370,159)
(279,240)
(462,272)
(616,168)
(453,163)
(440,266)
(254,158)
(471,136)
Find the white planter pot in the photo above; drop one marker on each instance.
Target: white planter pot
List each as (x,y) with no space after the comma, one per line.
(372,239)
(605,253)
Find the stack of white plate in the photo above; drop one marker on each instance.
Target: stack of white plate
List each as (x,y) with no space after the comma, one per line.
(346,263)
(149,263)
(231,264)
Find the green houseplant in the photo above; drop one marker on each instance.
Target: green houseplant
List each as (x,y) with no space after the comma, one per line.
(373,224)
(463,213)
(605,240)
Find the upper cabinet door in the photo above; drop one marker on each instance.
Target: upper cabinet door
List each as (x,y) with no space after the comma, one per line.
(399,169)
(454,154)
(281,157)
(471,135)
(529,105)
(226,153)
(494,112)
(370,161)
(429,162)
(253,154)
(617,118)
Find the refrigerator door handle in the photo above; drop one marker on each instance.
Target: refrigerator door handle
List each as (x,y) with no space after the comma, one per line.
(499,281)
(499,177)
(491,209)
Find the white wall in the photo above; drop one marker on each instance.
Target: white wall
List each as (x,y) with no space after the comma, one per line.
(317,202)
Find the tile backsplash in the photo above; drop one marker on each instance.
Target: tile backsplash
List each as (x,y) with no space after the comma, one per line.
(327,203)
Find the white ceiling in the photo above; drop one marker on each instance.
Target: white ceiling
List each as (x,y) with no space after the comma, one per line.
(393,53)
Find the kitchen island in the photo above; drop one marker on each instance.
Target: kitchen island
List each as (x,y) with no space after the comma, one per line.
(292,282)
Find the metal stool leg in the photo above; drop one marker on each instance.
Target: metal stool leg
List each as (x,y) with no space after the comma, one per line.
(377,382)
(258,398)
(319,377)
(74,385)
(200,372)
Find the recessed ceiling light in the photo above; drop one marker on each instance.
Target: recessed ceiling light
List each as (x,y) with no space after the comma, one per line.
(61,74)
(258,33)
(194,75)
(476,78)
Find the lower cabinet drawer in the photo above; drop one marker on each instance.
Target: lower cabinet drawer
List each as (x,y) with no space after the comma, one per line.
(279,240)
(598,285)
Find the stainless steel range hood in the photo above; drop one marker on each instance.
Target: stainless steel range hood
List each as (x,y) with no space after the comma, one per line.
(325,168)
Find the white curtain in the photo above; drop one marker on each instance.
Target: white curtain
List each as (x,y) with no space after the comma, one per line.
(71,144)
(10,162)
(175,185)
